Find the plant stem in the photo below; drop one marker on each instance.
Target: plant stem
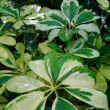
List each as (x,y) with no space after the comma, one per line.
(105,20)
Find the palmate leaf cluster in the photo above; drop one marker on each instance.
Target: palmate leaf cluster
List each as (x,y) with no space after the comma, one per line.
(56,59)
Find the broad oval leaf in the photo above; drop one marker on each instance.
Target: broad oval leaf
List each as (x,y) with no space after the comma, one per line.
(67,65)
(92,97)
(23,84)
(92,27)
(70,9)
(85,16)
(56,15)
(39,68)
(78,79)
(87,53)
(7,40)
(30,101)
(62,104)
(48,25)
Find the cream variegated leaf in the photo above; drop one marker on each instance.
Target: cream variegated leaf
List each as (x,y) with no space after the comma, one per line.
(68,66)
(39,68)
(70,9)
(23,84)
(78,79)
(92,97)
(30,101)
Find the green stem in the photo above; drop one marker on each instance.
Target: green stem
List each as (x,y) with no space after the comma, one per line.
(103,23)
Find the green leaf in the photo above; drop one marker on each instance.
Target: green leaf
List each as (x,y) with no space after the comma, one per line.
(9,11)
(53,34)
(3,53)
(55,47)
(107,36)
(48,25)
(78,45)
(39,68)
(87,53)
(57,15)
(30,101)
(4,78)
(7,40)
(105,70)
(101,83)
(20,47)
(62,104)
(65,34)
(89,28)
(99,42)
(92,97)
(86,16)
(70,9)
(23,84)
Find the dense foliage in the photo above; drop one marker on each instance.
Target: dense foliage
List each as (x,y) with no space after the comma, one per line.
(54,55)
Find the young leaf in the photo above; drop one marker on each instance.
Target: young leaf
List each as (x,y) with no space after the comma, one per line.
(23,84)
(90,96)
(30,101)
(70,9)
(89,28)
(87,53)
(101,83)
(62,104)
(105,70)
(85,16)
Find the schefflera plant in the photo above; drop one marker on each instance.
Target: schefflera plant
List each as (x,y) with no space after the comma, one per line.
(25,15)
(55,73)
(72,27)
